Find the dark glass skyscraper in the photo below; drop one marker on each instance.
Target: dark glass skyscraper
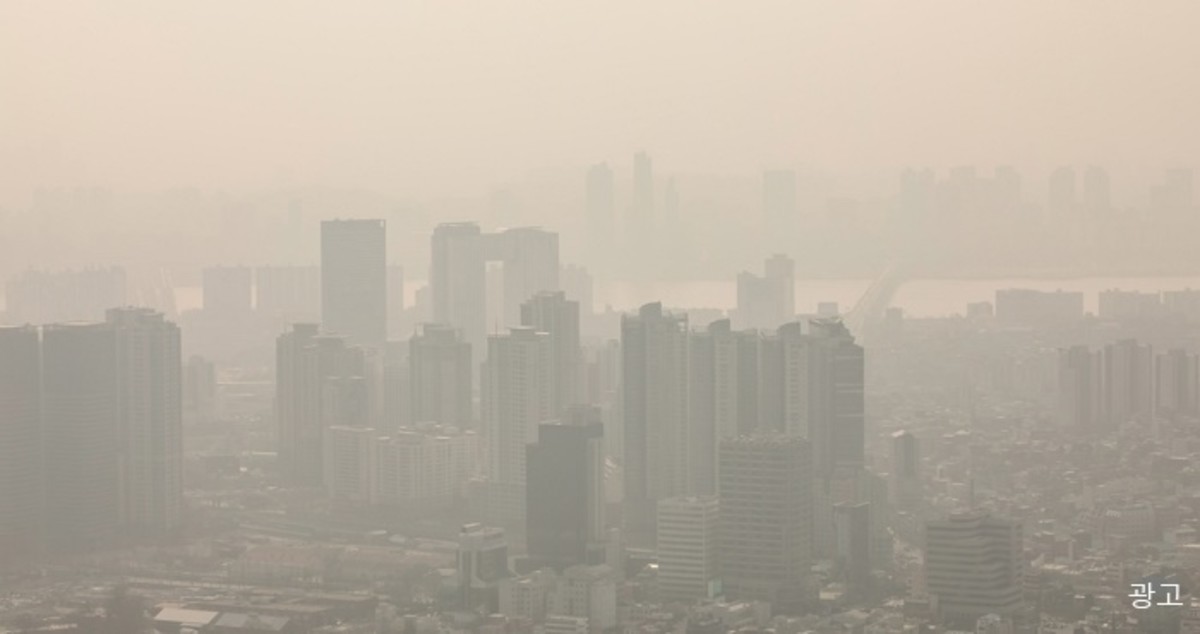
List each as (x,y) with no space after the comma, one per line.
(565,491)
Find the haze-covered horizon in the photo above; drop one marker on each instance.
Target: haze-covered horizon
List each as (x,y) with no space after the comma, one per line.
(445,100)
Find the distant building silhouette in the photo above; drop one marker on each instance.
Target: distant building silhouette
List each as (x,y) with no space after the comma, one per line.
(354,280)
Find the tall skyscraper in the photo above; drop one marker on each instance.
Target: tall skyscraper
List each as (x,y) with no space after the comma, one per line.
(826,377)
(973,567)
(601,213)
(688,545)
(555,315)
(440,374)
(354,280)
(565,491)
(766,519)
(306,363)
(81,436)
(21,500)
(516,399)
(654,350)
(149,401)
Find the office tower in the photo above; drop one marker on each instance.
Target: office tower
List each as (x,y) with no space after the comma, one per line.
(1063,196)
(530,257)
(768,301)
(1097,196)
(228,291)
(354,280)
(199,389)
(687,545)
(395,299)
(907,487)
(779,202)
(425,467)
(1080,389)
(553,314)
(1177,378)
(601,214)
(973,567)
(643,193)
(150,415)
(1128,379)
(349,463)
(766,519)
(288,294)
(654,361)
(565,491)
(441,376)
(81,436)
(20,444)
(39,297)
(482,564)
(305,362)
(516,399)
(852,528)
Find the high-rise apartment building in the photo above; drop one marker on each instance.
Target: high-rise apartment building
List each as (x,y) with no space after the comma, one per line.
(21,499)
(687,545)
(81,436)
(766,519)
(440,376)
(517,398)
(354,280)
(150,409)
(654,350)
(552,313)
(308,367)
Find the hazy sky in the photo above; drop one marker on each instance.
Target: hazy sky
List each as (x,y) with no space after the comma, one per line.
(433,98)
